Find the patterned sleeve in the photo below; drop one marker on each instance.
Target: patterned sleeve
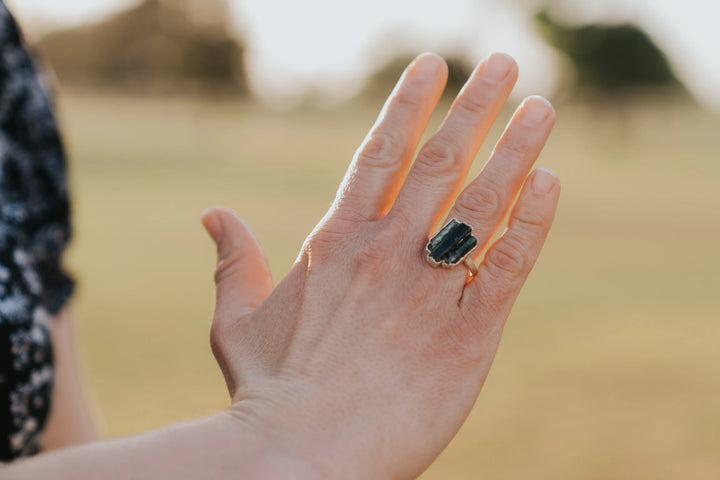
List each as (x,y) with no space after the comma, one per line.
(34,230)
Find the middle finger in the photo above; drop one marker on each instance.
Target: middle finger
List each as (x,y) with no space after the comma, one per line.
(442,164)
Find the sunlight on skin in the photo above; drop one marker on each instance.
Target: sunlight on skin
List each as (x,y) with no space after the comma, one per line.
(619,193)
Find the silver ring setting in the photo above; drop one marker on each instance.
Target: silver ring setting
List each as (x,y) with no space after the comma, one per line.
(452,245)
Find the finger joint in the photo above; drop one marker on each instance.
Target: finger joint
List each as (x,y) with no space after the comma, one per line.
(380,151)
(475,105)
(440,158)
(482,204)
(508,256)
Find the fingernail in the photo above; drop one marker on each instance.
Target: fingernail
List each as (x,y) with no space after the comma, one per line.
(536,110)
(544,181)
(426,66)
(497,67)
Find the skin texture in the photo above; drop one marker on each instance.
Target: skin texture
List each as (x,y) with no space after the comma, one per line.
(364,361)
(365,356)
(70,421)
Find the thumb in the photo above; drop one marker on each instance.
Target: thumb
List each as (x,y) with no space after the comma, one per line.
(242,277)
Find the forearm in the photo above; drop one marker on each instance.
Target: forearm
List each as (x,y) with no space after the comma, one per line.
(70,422)
(215,447)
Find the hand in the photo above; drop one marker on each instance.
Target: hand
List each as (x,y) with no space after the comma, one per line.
(365,360)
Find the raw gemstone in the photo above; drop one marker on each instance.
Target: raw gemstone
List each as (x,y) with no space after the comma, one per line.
(454,257)
(451,243)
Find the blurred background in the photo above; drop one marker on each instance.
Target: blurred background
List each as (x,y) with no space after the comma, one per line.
(609,367)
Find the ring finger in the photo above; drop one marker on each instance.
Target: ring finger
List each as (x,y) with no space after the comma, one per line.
(486,200)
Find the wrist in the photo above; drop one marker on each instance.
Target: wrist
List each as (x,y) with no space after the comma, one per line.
(292,446)
(262,453)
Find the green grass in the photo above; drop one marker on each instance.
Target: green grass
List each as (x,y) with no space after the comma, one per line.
(609,367)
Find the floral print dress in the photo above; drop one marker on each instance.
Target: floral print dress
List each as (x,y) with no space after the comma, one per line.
(34,230)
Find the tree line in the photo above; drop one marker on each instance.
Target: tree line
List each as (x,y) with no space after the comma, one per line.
(166,46)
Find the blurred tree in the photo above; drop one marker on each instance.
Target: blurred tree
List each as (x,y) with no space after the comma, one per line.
(160,45)
(610,59)
(210,13)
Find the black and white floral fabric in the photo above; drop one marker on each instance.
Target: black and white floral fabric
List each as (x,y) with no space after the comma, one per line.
(34,229)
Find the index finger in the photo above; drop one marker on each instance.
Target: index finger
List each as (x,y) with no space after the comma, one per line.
(380,164)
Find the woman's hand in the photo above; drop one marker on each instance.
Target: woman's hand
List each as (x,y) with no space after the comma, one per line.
(365,360)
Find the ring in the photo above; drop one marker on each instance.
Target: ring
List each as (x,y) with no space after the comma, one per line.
(451,245)
(470,266)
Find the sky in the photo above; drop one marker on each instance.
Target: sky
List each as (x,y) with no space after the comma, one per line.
(328,46)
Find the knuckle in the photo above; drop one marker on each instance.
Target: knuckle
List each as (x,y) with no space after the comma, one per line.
(508,256)
(409,100)
(329,237)
(379,151)
(514,148)
(528,224)
(474,104)
(483,203)
(440,157)
(320,249)
(334,229)
(227,267)
(377,255)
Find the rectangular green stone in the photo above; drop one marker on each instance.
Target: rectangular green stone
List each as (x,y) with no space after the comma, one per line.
(454,257)
(447,240)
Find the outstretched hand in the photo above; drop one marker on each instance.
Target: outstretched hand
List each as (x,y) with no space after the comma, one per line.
(365,360)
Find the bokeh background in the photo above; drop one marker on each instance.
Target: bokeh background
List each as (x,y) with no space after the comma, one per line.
(609,367)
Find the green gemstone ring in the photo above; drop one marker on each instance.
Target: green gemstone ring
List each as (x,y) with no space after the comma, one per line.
(451,245)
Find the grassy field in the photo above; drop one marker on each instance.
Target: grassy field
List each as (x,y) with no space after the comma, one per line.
(609,368)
